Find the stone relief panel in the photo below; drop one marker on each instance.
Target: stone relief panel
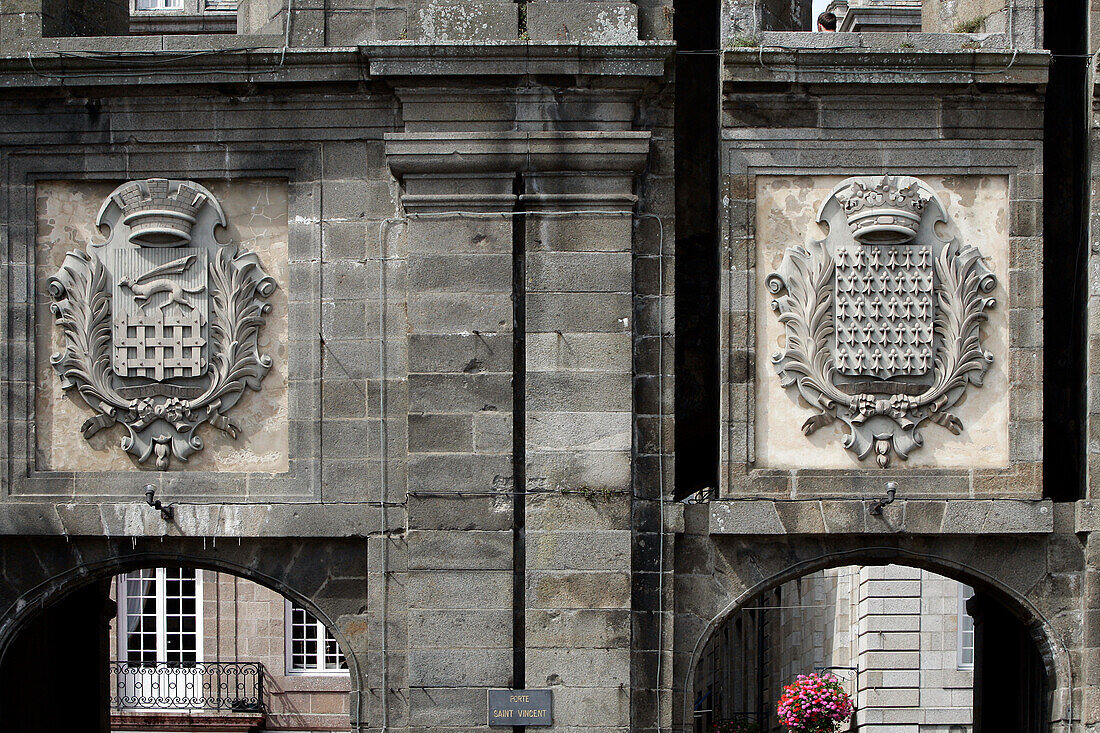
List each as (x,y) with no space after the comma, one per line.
(882,322)
(161,333)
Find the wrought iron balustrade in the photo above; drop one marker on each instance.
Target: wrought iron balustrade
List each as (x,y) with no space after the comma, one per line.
(227,686)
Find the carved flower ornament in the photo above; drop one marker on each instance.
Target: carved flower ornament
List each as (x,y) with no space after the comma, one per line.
(882,317)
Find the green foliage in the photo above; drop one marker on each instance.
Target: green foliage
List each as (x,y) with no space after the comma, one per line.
(745,42)
(974,25)
(523,34)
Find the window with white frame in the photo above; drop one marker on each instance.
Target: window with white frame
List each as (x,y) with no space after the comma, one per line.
(158,5)
(965,644)
(159,616)
(310,646)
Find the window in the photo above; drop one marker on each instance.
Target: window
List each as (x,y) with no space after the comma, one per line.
(311,647)
(159,618)
(966,630)
(159,5)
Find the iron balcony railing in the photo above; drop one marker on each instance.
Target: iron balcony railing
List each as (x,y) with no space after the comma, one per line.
(233,686)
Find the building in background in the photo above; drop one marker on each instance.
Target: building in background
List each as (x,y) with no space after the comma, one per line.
(896,16)
(160,17)
(195,646)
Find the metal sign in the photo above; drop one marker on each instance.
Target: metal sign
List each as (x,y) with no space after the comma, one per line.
(520,707)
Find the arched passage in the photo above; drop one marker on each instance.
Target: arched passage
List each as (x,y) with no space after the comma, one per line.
(912,648)
(718,576)
(56,625)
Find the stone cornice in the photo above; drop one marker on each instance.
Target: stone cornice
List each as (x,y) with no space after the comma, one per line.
(465,152)
(256,59)
(868,66)
(646,58)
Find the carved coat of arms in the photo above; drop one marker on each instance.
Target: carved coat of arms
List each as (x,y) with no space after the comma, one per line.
(161,321)
(883,317)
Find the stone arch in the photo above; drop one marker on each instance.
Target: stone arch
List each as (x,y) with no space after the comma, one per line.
(284,566)
(1011,569)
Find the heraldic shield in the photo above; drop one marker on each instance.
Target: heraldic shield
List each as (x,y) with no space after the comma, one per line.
(161,320)
(883,317)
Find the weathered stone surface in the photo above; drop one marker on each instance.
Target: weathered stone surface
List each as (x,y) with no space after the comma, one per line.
(593,22)
(587,550)
(460,667)
(449,21)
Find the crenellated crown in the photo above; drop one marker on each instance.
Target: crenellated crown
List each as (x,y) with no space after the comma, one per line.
(159,212)
(885,213)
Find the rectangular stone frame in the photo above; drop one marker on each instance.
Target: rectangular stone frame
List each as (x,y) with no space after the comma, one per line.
(302,171)
(749,152)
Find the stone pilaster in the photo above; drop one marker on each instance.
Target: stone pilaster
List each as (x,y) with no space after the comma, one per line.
(458,227)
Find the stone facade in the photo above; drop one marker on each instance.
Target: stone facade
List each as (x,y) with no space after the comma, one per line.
(461,457)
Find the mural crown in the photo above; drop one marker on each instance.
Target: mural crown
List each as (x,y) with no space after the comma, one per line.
(160,213)
(885,213)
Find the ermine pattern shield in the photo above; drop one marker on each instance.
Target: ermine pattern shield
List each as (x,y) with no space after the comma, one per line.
(883,317)
(884,310)
(161,321)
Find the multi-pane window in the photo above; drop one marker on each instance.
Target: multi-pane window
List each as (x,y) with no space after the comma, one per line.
(159,615)
(311,647)
(159,5)
(966,629)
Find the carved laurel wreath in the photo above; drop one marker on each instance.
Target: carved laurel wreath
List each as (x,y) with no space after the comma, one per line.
(805,308)
(83,310)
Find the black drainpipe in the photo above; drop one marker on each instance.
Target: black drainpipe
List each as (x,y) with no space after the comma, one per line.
(519,442)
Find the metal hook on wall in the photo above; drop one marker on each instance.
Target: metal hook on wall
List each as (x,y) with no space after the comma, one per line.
(165,509)
(891,491)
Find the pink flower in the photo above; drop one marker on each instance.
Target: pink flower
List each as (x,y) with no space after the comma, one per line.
(814,704)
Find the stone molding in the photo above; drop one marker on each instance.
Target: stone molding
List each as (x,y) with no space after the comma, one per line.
(874,65)
(18,469)
(259,59)
(132,518)
(404,58)
(469,152)
(904,516)
(809,134)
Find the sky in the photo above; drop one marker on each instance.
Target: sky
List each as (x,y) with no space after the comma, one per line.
(819,6)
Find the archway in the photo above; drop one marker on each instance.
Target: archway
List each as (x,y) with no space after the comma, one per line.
(157,641)
(1018,577)
(913,649)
